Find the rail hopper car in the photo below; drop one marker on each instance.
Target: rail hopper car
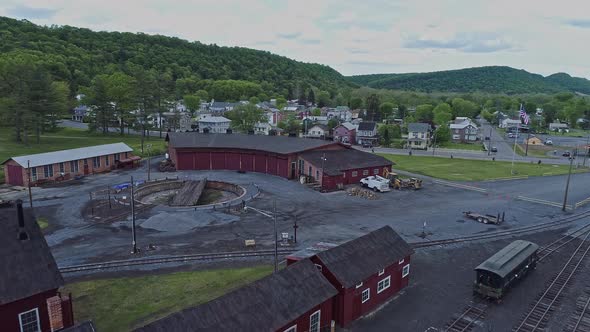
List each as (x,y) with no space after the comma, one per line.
(499,273)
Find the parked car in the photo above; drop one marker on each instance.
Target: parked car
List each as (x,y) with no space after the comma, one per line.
(566,154)
(494,149)
(512,135)
(548,142)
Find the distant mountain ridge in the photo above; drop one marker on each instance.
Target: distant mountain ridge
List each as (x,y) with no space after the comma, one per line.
(491,79)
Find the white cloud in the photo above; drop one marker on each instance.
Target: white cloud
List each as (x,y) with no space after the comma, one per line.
(372,36)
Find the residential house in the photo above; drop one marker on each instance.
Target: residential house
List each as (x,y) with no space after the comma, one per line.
(342,113)
(366,133)
(79,113)
(345,133)
(296,298)
(556,126)
(418,135)
(367,271)
(220,107)
(213,124)
(265,128)
(30,278)
(507,123)
(318,131)
(463,130)
(274,116)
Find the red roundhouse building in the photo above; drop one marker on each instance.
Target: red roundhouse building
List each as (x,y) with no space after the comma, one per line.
(288,157)
(367,271)
(29,278)
(294,299)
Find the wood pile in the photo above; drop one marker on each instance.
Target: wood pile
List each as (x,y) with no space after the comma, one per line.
(360,192)
(189,193)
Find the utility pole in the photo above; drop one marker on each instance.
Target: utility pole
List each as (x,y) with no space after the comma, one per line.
(275,231)
(322,177)
(149,149)
(586,150)
(29,183)
(133,218)
(295,226)
(434,143)
(567,184)
(526,151)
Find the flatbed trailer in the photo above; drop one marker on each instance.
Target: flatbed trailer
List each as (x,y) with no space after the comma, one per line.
(485,218)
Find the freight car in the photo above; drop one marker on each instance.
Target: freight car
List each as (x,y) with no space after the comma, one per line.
(501,271)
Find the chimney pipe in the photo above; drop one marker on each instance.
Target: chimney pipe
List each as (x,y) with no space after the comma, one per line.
(22,234)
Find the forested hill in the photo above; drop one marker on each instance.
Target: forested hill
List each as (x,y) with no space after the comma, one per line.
(77,55)
(494,79)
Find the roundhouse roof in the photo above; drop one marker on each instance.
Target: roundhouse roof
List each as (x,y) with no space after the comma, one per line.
(275,144)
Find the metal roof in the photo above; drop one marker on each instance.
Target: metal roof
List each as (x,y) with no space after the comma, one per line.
(275,144)
(28,268)
(505,260)
(337,161)
(49,158)
(267,304)
(418,127)
(365,125)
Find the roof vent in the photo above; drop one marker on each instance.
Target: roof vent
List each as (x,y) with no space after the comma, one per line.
(22,234)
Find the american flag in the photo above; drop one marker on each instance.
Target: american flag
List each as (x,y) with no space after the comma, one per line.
(525,117)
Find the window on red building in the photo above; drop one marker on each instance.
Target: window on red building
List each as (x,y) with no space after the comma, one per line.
(29,321)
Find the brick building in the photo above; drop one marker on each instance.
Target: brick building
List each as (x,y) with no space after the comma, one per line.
(67,164)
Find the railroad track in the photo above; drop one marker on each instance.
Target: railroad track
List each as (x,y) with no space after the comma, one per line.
(580,321)
(468,319)
(538,315)
(500,234)
(170,259)
(554,246)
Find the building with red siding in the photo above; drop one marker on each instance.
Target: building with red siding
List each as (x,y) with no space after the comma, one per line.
(296,298)
(337,168)
(67,164)
(367,271)
(29,278)
(289,157)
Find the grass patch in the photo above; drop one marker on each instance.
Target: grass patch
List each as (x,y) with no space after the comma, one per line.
(472,170)
(42,222)
(70,138)
(463,146)
(122,304)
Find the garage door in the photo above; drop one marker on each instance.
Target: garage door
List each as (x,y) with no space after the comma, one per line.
(185,160)
(260,163)
(203,160)
(15,175)
(283,168)
(232,161)
(248,162)
(271,165)
(218,160)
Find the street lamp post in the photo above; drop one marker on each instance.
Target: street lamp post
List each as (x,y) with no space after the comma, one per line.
(273,216)
(134,242)
(149,150)
(586,150)
(434,144)
(322,177)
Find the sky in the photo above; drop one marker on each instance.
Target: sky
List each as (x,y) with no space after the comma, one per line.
(353,37)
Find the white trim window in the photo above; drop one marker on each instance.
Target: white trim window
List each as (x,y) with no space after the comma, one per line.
(383,284)
(314,321)
(381,272)
(359,285)
(401,261)
(292,329)
(366,295)
(29,321)
(406,270)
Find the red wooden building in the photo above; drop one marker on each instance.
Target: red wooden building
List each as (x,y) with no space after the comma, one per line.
(296,298)
(367,271)
(289,157)
(67,164)
(29,277)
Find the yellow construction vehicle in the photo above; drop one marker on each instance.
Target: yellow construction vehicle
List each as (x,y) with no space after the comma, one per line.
(398,183)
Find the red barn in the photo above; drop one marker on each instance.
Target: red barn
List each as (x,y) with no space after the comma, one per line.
(289,157)
(367,271)
(296,298)
(29,278)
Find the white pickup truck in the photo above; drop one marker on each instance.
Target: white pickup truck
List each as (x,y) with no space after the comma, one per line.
(376,182)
